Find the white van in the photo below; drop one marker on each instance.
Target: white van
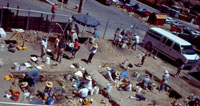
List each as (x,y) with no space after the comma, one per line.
(171,46)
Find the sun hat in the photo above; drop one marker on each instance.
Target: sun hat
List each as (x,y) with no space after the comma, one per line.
(49,84)
(117,73)
(166,72)
(24,84)
(73,30)
(88,78)
(95,45)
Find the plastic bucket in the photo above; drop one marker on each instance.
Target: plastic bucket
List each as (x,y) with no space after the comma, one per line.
(96,90)
(1,47)
(109,87)
(124,45)
(16,67)
(129,88)
(91,91)
(47,60)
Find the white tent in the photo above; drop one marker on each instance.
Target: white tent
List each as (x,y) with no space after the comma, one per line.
(2,33)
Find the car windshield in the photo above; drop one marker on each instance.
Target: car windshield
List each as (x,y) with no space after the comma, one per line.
(187,50)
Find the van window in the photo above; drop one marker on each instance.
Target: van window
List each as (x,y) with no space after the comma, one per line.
(164,40)
(169,43)
(154,34)
(187,49)
(176,47)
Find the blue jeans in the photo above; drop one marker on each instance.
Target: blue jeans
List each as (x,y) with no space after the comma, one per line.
(34,74)
(162,87)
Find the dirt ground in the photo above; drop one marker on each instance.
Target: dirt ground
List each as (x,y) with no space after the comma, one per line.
(107,53)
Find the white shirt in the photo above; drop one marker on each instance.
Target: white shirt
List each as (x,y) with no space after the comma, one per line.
(74,36)
(93,50)
(88,84)
(137,39)
(83,92)
(166,78)
(119,37)
(44,43)
(57,41)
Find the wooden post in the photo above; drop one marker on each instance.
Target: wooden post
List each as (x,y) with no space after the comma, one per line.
(61,6)
(6,17)
(41,17)
(47,24)
(28,18)
(8,4)
(80,6)
(105,28)
(1,18)
(16,17)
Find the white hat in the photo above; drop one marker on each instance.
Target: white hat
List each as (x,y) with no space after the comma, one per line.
(24,84)
(166,72)
(89,78)
(49,84)
(108,68)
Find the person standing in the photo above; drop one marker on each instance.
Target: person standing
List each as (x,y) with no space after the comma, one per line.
(164,80)
(142,60)
(180,68)
(95,35)
(74,35)
(53,10)
(116,34)
(43,47)
(119,38)
(77,29)
(62,46)
(56,46)
(93,51)
(76,48)
(137,40)
(146,82)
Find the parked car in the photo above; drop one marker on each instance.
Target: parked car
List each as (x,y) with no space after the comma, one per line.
(106,2)
(143,12)
(169,20)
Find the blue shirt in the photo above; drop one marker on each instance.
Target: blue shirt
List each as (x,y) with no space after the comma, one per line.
(95,34)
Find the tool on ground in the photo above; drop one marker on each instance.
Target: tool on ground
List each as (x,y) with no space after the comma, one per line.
(18,33)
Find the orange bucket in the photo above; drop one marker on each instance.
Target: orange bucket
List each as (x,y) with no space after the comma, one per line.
(16,95)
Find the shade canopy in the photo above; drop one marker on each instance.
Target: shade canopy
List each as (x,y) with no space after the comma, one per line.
(86,20)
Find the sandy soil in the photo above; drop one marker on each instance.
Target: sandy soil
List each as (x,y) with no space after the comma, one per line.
(107,53)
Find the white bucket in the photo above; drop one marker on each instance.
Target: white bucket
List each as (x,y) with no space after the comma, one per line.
(123,45)
(16,67)
(109,87)
(129,88)
(96,90)
(69,77)
(1,47)
(91,91)
(47,60)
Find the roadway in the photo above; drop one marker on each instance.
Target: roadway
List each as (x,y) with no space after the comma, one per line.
(94,8)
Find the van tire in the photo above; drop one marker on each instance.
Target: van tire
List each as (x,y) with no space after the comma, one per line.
(148,46)
(178,62)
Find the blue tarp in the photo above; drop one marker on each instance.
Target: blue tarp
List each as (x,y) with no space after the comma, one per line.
(124,74)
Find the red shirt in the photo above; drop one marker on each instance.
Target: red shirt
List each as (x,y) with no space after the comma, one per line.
(53,9)
(76,45)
